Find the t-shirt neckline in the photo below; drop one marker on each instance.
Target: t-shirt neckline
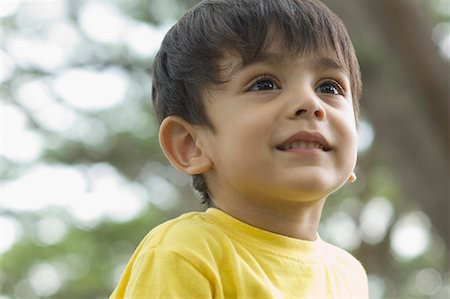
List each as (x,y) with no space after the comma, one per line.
(265,240)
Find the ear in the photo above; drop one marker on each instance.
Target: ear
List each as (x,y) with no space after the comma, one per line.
(352,178)
(179,142)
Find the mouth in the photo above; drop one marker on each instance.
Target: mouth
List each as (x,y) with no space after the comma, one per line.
(301,144)
(305,140)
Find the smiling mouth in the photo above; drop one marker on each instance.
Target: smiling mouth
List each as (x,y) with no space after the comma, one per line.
(302,145)
(305,141)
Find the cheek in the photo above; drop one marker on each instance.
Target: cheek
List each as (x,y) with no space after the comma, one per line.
(351,144)
(346,132)
(249,129)
(245,145)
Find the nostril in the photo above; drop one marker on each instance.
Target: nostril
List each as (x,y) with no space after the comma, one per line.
(300,112)
(320,114)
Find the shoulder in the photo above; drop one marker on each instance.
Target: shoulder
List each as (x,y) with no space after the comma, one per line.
(188,234)
(167,257)
(352,278)
(344,260)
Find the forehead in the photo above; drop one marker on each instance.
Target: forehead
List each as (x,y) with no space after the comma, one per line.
(232,64)
(277,49)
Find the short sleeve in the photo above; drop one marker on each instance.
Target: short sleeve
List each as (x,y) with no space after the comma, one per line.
(159,274)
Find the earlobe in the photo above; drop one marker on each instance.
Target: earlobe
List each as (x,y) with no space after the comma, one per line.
(178,140)
(352,178)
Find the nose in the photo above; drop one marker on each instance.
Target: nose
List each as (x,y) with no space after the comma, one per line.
(306,104)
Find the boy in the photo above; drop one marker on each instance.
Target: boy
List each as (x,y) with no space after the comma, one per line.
(258,101)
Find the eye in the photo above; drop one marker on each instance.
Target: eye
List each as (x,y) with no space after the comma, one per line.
(263,83)
(330,86)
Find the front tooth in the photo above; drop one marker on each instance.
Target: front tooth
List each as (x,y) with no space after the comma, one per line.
(299,145)
(303,144)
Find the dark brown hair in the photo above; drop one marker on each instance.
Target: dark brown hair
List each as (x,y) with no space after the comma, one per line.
(188,58)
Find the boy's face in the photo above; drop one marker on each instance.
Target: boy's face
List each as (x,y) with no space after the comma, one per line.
(284,129)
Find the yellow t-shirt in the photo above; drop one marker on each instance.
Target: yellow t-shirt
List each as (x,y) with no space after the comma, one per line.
(213,255)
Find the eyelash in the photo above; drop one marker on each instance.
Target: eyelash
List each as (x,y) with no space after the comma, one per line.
(260,79)
(335,83)
(338,86)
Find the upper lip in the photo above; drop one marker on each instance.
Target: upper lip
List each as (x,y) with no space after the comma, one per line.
(305,136)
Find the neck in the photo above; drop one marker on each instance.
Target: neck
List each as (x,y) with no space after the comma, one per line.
(295,220)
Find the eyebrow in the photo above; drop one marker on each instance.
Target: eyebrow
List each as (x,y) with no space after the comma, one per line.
(265,57)
(329,63)
(275,59)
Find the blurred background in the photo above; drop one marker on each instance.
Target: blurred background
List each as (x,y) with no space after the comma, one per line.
(83,178)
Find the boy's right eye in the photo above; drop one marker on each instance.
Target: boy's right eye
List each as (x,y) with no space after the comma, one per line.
(263,83)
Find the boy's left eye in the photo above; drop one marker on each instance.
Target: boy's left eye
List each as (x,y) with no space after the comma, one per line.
(332,87)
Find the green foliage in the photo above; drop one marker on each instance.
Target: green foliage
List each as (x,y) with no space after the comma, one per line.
(86,261)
